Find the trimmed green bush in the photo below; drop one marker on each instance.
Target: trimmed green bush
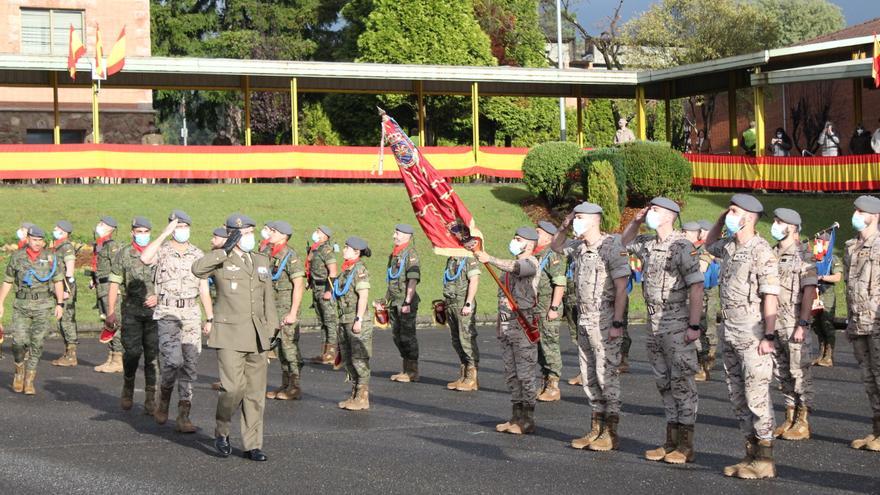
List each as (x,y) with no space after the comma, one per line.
(548,170)
(615,158)
(602,190)
(655,170)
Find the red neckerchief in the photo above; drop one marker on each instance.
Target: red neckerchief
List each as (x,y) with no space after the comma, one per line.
(309,258)
(33,255)
(349,263)
(398,249)
(99,242)
(22,243)
(699,243)
(263,244)
(276,248)
(137,247)
(538,249)
(58,243)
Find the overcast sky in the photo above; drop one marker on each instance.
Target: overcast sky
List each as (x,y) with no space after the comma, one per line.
(593,13)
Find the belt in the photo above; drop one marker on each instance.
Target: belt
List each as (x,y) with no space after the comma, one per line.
(103,280)
(668,306)
(177,303)
(34,296)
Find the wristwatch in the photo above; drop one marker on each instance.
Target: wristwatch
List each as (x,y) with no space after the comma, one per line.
(467,304)
(804,323)
(554,308)
(770,336)
(695,327)
(209,320)
(357,319)
(617,324)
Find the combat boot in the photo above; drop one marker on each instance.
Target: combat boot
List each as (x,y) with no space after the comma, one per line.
(684,452)
(115,363)
(285,381)
(470,382)
(329,356)
(344,404)
(18,378)
(29,377)
(822,350)
(576,380)
(623,367)
(861,443)
(292,392)
(827,360)
(607,440)
(762,465)
(800,430)
(68,358)
(514,417)
(101,367)
(526,422)
(149,400)
(596,424)
(319,359)
(161,413)
(457,382)
(751,448)
(127,399)
(184,425)
(361,399)
(402,377)
(701,374)
(671,443)
(551,392)
(874,444)
(787,424)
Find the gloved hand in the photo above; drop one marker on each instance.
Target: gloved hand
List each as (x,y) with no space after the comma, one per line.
(232,240)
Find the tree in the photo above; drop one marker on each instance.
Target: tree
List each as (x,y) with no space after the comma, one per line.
(802,20)
(514,31)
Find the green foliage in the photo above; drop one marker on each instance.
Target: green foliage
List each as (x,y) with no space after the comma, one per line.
(615,158)
(599,126)
(520,121)
(803,19)
(655,170)
(602,190)
(548,170)
(512,27)
(315,127)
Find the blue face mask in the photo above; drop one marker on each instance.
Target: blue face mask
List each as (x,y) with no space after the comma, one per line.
(181,235)
(858,222)
(778,231)
(247,242)
(515,247)
(652,220)
(142,239)
(732,222)
(315,237)
(57,234)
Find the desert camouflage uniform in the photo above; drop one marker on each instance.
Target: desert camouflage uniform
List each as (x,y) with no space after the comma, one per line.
(520,356)
(861,271)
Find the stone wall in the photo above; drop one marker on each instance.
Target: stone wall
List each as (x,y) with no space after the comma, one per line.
(116,127)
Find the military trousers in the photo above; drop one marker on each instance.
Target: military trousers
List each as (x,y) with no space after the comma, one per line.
(355,351)
(748,376)
(709,335)
(463,330)
(599,358)
(115,345)
(403,331)
(30,326)
(140,337)
(867,351)
(549,352)
(823,323)
(67,324)
(520,359)
(326,313)
(243,387)
(792,367)
(180,344)
(674,363)
(570,313)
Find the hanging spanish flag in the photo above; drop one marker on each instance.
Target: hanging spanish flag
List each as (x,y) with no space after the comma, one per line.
(875,70)
(100,65)
(75,51)
(116,59)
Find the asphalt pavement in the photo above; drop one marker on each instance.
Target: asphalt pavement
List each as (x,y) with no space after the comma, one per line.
(73,438)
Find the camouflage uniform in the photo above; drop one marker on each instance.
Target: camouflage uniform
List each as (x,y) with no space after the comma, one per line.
(669,268)
(355,349)
(747,273)
(32,310)
(520,356)
(861,271)
(401,269)
(596,268)
(67,325)
(552,269)
(104,255)
(320,258)
(139,329)
(569,300)
(456,277)
(179,317)
(823,324)
(792,360)
(709,336)
(282,282)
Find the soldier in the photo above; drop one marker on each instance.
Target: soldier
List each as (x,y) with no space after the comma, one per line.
(403,301)
(320,273)
(139,329)
(709,339)
(861,271)
(791,360)
(288,282)
(694,232)
(823,323)
(65,253)
(461,279)
(37,279)
(748,287)
(351,291)
(551,289)
(177,315)
(601,270)
(672,285)
(245,320)
(569,304)
(520,355)
(104,250)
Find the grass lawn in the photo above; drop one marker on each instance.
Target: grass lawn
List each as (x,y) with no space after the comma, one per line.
(367,210)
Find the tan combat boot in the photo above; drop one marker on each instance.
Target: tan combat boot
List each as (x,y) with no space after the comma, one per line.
(68,358)
(685,450)
(293,391)
(701,375)
(126,401)
(29,377)
(403,376)
(821,356)
(762,465)
(514,417)
(344,404)
(623,367)
(526,422)
(671,443)
(551,392)
(149,400)
(461,372)
(161,412)
(607,440)
(101,367)
(800,430)
(576,380)
(470,382)
(319,359)
(18,378)
(115,363)
(751,448)
(329,357)
(827,360)
(361,399)
(184,425)
(788,423)
(874,444)
(285,381)
(861,443)
(597,423)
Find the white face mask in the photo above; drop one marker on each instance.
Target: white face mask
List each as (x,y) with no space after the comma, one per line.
(101,230)
(21,234)
(579,225)
(247,242)
(315,237)
(515,247)
(652,219)
(265,233)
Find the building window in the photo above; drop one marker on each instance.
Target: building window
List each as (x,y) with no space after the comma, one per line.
(47,136)
(47,31)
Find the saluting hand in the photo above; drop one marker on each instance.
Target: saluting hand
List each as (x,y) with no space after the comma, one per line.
(640,216)
(170,228)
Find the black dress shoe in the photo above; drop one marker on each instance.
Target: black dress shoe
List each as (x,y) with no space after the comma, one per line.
(221,443)
(255,455)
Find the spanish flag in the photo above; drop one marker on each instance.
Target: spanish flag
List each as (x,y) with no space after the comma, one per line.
(100,65)
(116,59)
(875,70)
(75,51)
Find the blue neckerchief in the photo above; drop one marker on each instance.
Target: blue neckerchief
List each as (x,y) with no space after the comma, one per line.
(544,261)
(31,274)
(277,274)
(447,278)
(389,276)
(339,293)
(570,272)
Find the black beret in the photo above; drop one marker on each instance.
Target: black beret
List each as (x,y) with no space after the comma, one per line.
(587,207)
(404,227)
(325,229)
(239,221)
(747,202)
(527,233)
(107,219)
(691,227)
(141,223)
(281,226)
(705,224)
(180,216)
(666,203)
(34,231)
(868,204)
(547,227)
(221,232)
(65,226)
(356,243)
(788,216)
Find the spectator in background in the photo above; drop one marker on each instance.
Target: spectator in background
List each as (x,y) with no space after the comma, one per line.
(875,141)
(749,139)
(702,144)
(860,142)
(623,134)
(780,144)
(829,141)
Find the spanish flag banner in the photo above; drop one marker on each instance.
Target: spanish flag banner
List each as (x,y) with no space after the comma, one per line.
(116,59)
(100,65)
(875,69)
(75,51)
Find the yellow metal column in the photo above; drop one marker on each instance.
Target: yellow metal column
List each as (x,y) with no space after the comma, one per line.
(56,130)
(580,118)
(475,119)
(420,96)
(857,93)
(731,115)
(96,125)
(641,119)
(667,107)
(760,147)
(246,83)
(294,112)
